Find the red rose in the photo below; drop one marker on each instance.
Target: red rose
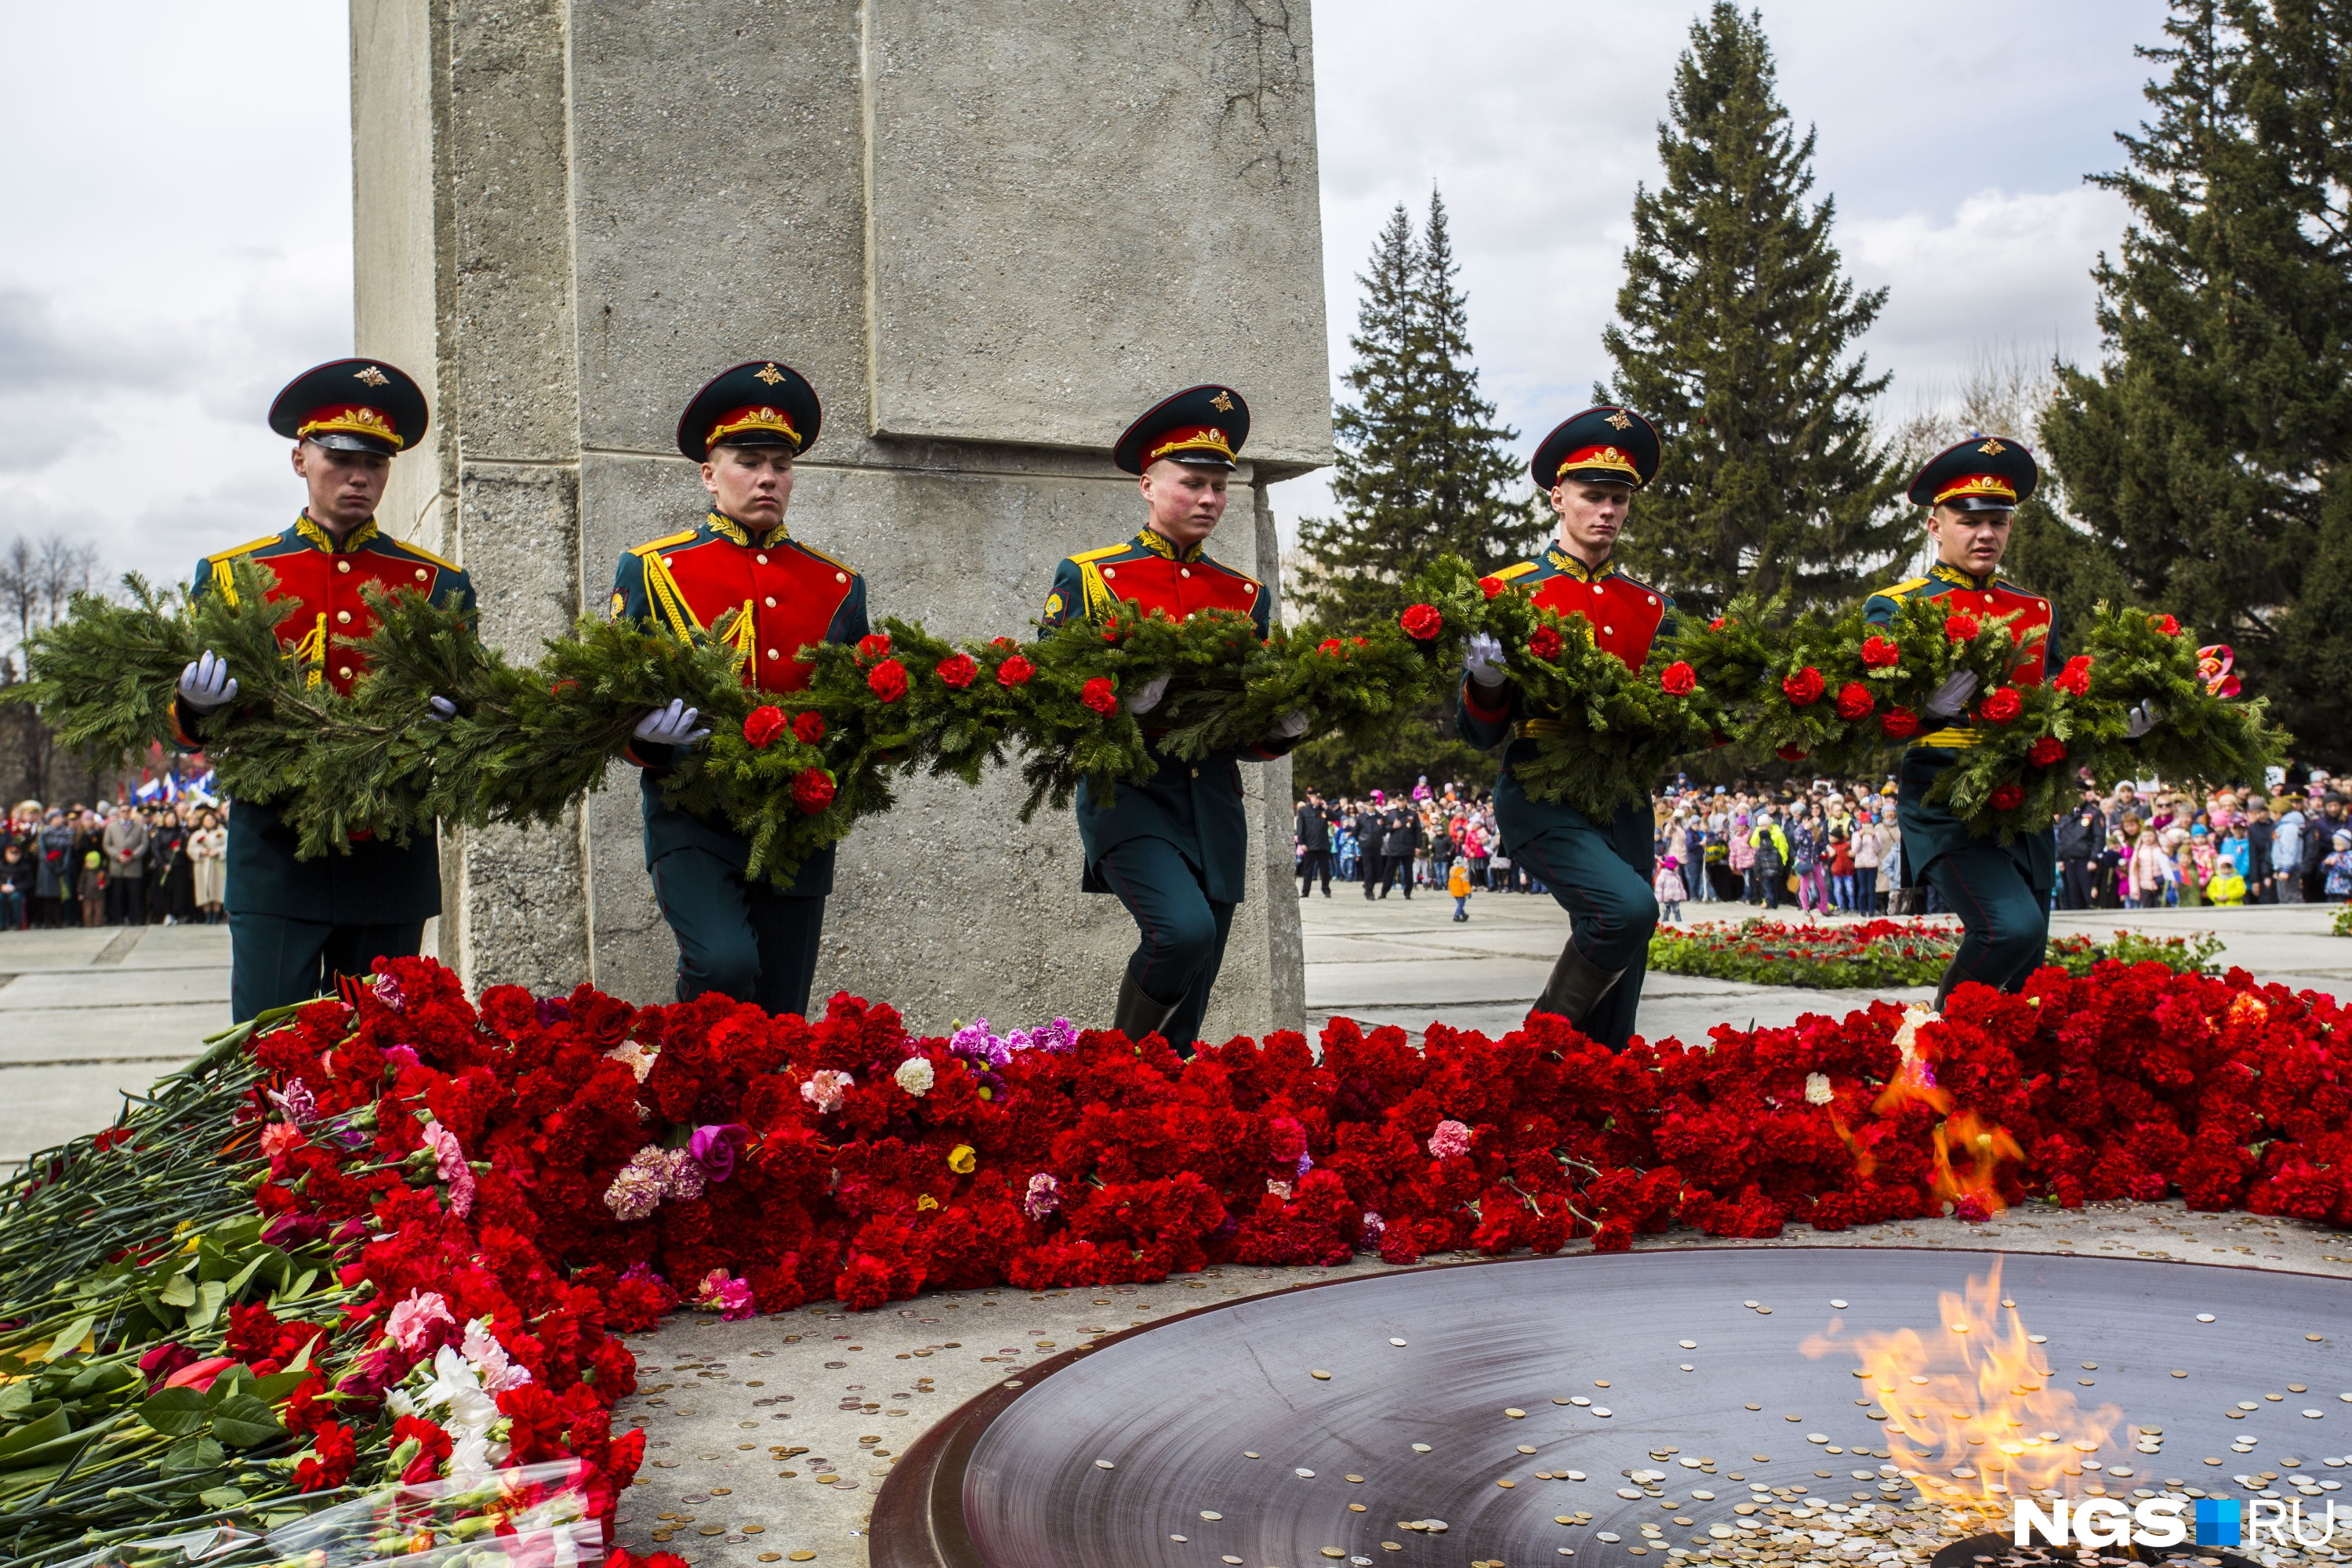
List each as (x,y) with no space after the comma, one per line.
(1962,628)
(813,790)
(1792,753)
(1899,724)
(2047,752)
(1421,622)
(2008,797)
(887,679)
(808,727)
(2075,678)
(1880,654)
(763,724)
(1014,672)
(1099,695)
(1805,688)
(872,644)
(2001,705)
(1854,700)
(1678,679)
(1544,643)
(1490,586)
(2166,624)
(958,670)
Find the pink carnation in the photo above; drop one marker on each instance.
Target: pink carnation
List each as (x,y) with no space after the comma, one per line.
(411,1323)
(1043,1196)
(636,1191)
(730,1297)
(1451,1139)
(826,1089)
(280,1138)
(449,1161)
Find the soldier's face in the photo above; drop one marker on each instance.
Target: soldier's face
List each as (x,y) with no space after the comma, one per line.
(1972,541)
(344,485)
(1186,498)
(753,485)
(1590,517)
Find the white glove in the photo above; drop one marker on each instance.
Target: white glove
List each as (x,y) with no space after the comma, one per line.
(443,710)
(1144,700)
(671,726)
(1953,695)
(1482,658)
(1291,725)
(2142,718)
(206,684)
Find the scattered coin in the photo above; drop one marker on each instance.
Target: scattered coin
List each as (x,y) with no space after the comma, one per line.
(1180,1539)
(1603,1410)
(1417,1447)
(1320,1375)
(1527,1448)
(1358,1479)
(799,1556)
(1751,1305)
(1573,1475)
(1210,1514)
(1105,1465)
(1515,1415)
(1396,1341)
(1246,1454)
(1304,1473)
(2204,1316)
(1838,1304)
(1507,1485)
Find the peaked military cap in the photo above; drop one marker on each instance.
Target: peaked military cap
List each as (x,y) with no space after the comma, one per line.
(354,405)
(1601,446)
(1201,424)
(1983,473)
(760,403)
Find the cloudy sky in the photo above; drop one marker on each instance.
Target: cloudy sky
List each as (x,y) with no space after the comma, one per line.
(179,214)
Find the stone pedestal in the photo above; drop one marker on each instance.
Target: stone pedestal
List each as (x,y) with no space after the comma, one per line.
(990,233)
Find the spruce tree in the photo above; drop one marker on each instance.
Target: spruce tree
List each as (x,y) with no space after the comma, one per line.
(2209,448)
(1423,469)
(1735,335)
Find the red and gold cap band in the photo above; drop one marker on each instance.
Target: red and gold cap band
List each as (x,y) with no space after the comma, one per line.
(1615,459)
(736,421)
(1979,485)
(349,418)
(1189,438)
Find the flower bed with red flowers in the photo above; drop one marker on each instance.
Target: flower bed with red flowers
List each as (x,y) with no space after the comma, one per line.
(395,1239)
(1881,953)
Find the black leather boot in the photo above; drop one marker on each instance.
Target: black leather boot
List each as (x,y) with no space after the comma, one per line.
(1138,1013)
(1576,987)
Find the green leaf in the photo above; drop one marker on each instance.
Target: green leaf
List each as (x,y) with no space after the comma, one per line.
(278,1385)
(192,1454)
(220,1496)
(175,1412)
(245,1422)
(211,1296)
(180,1290)
(34,1435)
(69,1341)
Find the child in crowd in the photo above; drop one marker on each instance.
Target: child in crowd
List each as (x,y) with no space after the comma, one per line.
(15,886)
(1668,885)
(2337,865)
(1457,883)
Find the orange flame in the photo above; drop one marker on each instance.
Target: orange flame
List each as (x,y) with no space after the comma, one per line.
(1984,1144)
(1975,1402)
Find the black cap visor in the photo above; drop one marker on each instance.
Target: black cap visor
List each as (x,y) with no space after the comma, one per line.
(351,441)
(1979,503)
(758,438)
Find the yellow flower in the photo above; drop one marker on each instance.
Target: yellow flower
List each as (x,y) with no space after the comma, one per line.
(926,1201)
(963,1160)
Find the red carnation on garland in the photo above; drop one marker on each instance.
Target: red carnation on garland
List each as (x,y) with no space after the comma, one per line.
(2008,797)
(1805,688)
(1331,646)
(1100,695)
(2001,705)
(957,670)
(872,644)
(813,790)
(1854,701)
(1421,622)
(1879,653)
(2075,678)
(1544,643)
(1717,623)
(1792,753)
(887,679)
(2166,624)
(1014,672)
(1678,679)
(763,724)
(1490,586)
(808,726)
(1962,627)
(2048,751)
(1899,724)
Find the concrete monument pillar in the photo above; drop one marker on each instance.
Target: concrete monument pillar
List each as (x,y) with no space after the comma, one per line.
(990,232)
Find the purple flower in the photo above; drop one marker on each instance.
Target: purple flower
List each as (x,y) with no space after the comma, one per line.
(1043,1196)
(401,1057)
(643,1272)
(714,1148)
(553,1010)
(388,992)
(1374,1228)
(1057,1035)
(1305,1164)
(974,1042)
(296,1103)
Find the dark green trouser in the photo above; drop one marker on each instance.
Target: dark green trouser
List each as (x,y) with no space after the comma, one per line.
(2002,898)
(1601,877)
(745,940)
(1183,930)
(275,961)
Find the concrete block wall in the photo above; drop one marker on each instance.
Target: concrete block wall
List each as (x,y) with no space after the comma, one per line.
(990,233)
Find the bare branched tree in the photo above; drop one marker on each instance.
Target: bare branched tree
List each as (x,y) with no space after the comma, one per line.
(38,579)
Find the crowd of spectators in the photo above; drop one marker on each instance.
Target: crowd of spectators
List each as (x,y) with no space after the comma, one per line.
(1834,848)
(112,864)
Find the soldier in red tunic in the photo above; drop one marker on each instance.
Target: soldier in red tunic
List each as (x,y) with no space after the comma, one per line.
(751,940)
(298,926)
(1174,849)
(1599,871)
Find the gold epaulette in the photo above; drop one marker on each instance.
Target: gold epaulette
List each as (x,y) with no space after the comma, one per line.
(1514,571)
(1104,553)
(1911,586)
(423,554)
(240,550)
(1949,740)
(660,544)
